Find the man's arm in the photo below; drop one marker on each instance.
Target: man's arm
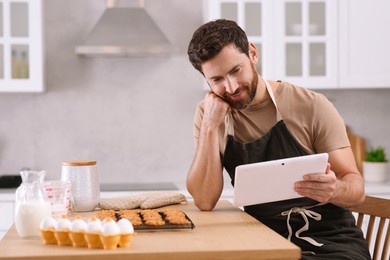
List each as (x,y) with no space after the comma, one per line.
(205,179)
(341,185)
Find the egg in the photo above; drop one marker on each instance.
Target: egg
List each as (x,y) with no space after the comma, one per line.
(111,228)
(78,225)
(125,226)
(63,224)
(94,219)
(48,223)
(106,220)
(94,226)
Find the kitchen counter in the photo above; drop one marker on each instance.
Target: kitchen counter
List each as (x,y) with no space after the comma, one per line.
(224,233)
(381,189)
(373,189)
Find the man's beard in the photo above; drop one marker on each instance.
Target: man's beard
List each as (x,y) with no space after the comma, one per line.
(249,95)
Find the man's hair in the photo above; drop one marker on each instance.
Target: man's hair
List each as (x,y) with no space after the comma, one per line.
(209,39)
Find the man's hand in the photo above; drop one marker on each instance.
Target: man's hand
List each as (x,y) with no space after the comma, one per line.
(319,187)
(215,110)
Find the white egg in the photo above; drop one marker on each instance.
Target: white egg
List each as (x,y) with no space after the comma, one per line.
(78,225)
(107,220)
(94,226)
(94,219)
(63,223)
(111,228)
(47,223)
(125,226)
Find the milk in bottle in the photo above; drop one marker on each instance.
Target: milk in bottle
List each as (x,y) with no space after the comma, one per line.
(31,204)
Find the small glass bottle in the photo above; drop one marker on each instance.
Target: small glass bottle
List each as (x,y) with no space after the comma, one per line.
(85,184)
(15,64)
(31,203)
(23,66)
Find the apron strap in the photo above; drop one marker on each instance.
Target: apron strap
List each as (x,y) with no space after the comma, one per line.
(229,125)
(271,94)
(304,212)
(229,130)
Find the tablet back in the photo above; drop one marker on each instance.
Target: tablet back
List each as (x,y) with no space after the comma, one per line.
(274,180)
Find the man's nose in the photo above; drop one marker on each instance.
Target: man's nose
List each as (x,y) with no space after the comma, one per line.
(231,85)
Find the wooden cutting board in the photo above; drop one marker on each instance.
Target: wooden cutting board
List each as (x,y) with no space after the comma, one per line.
(358,147)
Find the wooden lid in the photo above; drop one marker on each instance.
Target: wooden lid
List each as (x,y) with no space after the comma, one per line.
(78,163)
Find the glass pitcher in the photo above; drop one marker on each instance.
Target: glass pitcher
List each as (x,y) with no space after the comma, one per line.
(31,203)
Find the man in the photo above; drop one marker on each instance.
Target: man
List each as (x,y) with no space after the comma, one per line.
(246,119)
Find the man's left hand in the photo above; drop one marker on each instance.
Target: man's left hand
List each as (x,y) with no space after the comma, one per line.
(320,187)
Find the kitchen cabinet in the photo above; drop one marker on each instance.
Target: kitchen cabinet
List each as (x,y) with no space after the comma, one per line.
(295,39)
(21,48)
(7,216)
(305,46)
(364,44)
(316,43)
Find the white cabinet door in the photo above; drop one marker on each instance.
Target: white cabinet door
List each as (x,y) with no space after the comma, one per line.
(364,44)
(7,217)
(306,42)
(21,52)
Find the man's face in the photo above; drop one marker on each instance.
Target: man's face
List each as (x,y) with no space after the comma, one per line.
(232,76)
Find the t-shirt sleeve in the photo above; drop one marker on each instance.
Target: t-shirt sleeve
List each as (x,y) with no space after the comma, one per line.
(329,127)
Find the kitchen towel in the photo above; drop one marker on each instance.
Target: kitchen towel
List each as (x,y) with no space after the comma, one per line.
(148,200)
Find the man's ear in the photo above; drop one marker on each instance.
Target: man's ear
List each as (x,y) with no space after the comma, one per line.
(253,53)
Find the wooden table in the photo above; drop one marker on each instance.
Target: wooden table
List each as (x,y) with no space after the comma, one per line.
(224,233)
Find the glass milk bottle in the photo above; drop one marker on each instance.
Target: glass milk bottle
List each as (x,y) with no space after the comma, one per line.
(31,204)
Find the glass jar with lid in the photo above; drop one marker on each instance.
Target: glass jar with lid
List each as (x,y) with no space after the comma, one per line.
(85,184)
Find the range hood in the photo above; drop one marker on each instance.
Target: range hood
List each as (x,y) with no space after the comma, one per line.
(124,31)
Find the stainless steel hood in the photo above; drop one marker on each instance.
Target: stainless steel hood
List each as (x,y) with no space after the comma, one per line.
(125,32)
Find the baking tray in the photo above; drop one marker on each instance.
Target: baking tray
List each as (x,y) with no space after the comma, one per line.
(166,226)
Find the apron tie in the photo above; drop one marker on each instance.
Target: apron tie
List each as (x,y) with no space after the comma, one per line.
(304,212)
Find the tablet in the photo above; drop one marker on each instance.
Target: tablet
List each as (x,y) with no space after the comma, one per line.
(270,181)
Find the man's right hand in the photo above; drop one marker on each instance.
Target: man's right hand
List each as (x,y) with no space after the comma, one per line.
(215,110)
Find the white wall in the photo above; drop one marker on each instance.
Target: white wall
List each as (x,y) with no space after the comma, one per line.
(134,116)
